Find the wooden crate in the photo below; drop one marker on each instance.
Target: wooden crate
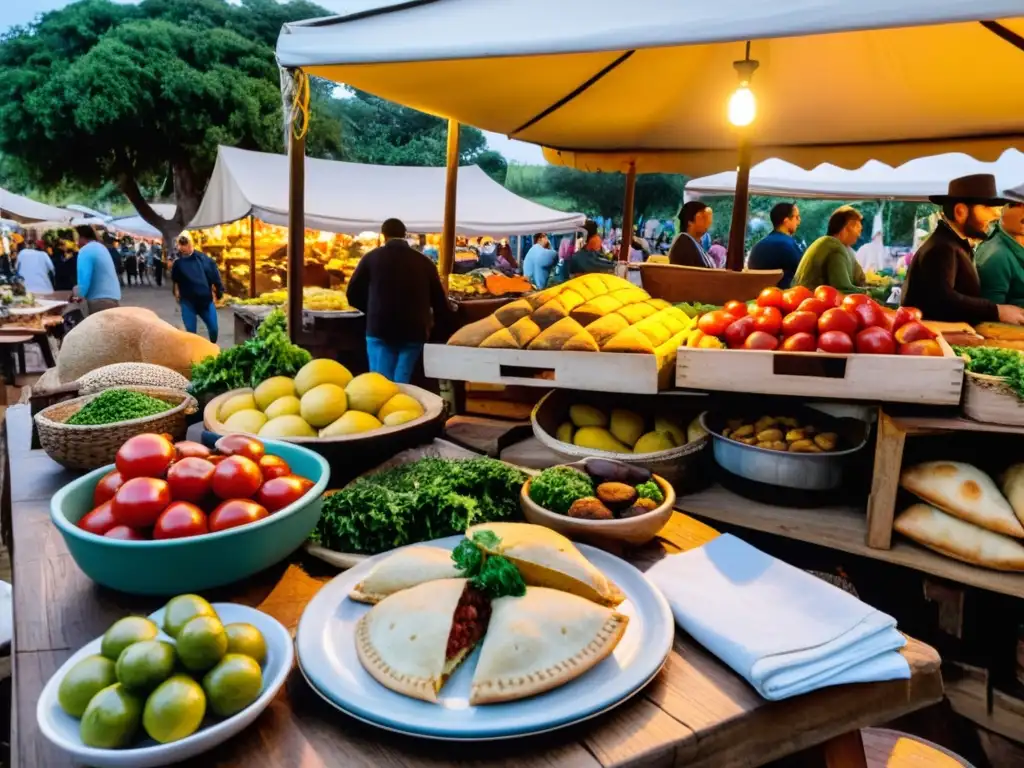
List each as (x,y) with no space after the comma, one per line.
(887,378)
(596,371)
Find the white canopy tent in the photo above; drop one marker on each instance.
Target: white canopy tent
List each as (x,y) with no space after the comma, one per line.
(138,226)
(25,210)
(914,180)
(352,197)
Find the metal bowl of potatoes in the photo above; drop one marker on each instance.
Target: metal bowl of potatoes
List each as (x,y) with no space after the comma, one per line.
(792,447)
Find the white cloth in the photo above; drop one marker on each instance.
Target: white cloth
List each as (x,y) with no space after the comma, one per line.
(786,632)
(36,267)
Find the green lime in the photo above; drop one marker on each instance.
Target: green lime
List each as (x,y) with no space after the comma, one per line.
(202,643)
(111,719)
(234,684)
(124,632)
(83,681)
(141,667)
(247,640)
(174,710)
(182,609)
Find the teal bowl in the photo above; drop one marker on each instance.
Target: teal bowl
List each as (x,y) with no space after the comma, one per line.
(174,566)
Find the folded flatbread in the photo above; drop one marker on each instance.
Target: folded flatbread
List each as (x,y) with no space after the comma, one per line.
(963,491)
(406,568)
(1012,483)
(960,540)
(413,640)
(546,558)
(541,641)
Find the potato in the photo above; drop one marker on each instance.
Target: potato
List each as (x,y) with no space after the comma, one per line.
(794,435)
(780,445)
(748,440)
(769,435)
(747,430)
(726,432)
(826,441)
(804,446)
(765,422)
(787,421)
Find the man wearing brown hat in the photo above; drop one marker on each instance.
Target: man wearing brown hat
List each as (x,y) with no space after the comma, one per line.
(943,281)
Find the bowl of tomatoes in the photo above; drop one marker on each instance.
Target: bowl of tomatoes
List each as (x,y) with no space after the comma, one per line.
(168,518)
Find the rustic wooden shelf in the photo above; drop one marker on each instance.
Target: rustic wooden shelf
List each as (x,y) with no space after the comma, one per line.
(912,425)
(843,528)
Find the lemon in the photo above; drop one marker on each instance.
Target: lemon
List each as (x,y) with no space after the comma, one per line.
(583,415)
(288,405)
(287,426)
(273,389)
(245,421)
(321,371)
(395,418)
(323,404)
(351,423)
(654,441)
(368,392)
(235,404)
(400,402)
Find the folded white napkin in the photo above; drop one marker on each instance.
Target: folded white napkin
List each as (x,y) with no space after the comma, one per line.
(786,632)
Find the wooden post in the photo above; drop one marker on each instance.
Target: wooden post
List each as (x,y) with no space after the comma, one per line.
(885,481)
(627,212)
(296,228)
(252,257)
(738,230)
(451,184)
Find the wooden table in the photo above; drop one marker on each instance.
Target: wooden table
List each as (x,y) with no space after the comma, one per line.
(696,712)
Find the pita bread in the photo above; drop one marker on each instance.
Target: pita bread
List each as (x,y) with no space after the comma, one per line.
(406,568)
(964,491)
(546,558)
(962,541)
(1012,483)
(541,641)
(402,641)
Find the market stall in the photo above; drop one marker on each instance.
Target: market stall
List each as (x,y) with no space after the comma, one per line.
(25,210)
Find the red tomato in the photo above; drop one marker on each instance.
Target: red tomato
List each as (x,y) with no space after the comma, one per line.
(216,458)
(107,487)
(875,341)
(190,479)
(241,445)
(869,315)
(928,347)
(761,340)
(274,466)
(828,295)
(817,306)
(139,502)
(99,521)
(736,308)
(714,323)
(800,342)
(738,330)
(793,297)
(144,456)
(915,330)
(306,483)
(770,297)
(799,322)
(236,512)
(905,315)
(854,300)
(835,341)
(837,319)
(124,533)
(187,448)
(237,478)
(280,492)
(769,320)
(179,520)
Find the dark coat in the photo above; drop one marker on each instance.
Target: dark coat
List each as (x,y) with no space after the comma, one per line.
(943,282)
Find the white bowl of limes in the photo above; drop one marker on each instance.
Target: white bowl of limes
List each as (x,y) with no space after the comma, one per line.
(140,749)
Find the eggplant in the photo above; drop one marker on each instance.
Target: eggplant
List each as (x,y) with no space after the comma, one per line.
(611,471)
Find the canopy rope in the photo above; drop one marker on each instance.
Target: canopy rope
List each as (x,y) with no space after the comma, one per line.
(299,113)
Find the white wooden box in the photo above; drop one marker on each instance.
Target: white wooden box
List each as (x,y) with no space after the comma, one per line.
(597,371)
(886,378)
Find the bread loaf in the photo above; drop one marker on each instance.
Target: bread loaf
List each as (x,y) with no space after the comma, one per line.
(964,491)
(960,540)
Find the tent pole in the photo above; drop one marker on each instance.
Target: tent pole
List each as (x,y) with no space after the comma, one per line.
(252,257)
(296,227)
(451,184)
(738,230)
(627,212)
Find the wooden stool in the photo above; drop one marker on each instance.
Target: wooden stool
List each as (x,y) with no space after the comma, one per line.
(884,748)
(11,345)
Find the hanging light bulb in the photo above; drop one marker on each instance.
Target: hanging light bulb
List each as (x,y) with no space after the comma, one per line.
(742,104)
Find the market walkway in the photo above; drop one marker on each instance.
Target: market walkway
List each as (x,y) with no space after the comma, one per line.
(161,301)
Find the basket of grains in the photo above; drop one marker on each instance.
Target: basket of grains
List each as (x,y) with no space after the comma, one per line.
(86,432)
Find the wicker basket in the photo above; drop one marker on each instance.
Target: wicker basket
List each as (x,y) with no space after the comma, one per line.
(90,447)
(989,399)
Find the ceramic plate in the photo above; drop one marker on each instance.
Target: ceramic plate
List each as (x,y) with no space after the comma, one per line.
(62,729)
(327,656)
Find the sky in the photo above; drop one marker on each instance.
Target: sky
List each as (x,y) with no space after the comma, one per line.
(23,11)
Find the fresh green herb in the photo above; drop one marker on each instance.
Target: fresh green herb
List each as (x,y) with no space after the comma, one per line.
(419,501)
(268,353)
(995,361)
(696,308)
(118,405)
(487,540)
(468,557)
(650,490)
(494,575)
(558,487)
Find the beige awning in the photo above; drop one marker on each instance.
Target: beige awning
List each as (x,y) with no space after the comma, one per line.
(25,210)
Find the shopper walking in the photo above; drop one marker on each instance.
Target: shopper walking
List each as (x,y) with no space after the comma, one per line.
(196,280)
(98,285)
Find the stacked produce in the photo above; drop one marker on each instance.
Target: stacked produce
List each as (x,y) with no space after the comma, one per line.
(965,516)
(781,433)
(605,491)
(165,687)
(1008,364)
(487,282)
(624,431)
(163,490)
(315,299)
(323,399)
(1001,335)
(797,320)
(116,405)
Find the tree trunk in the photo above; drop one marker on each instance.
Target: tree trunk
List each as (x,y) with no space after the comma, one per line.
(187,195)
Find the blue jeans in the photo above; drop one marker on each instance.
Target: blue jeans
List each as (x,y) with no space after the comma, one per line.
(190,312)
(395,361)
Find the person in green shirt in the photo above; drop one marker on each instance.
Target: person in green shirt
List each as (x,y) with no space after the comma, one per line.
(829,260)
(1000,259)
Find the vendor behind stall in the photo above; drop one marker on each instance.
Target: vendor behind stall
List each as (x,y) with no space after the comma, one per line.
(695,218)
(590,257)
(539,260)
(943,281)
(829,260)
(1000,259)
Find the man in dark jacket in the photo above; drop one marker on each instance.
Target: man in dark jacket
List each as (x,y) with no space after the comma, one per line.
(195,278)
(695,219)
(943,281)
(400,291)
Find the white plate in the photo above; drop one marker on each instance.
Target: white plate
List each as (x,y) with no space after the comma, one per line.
(327,656)
(62,729)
